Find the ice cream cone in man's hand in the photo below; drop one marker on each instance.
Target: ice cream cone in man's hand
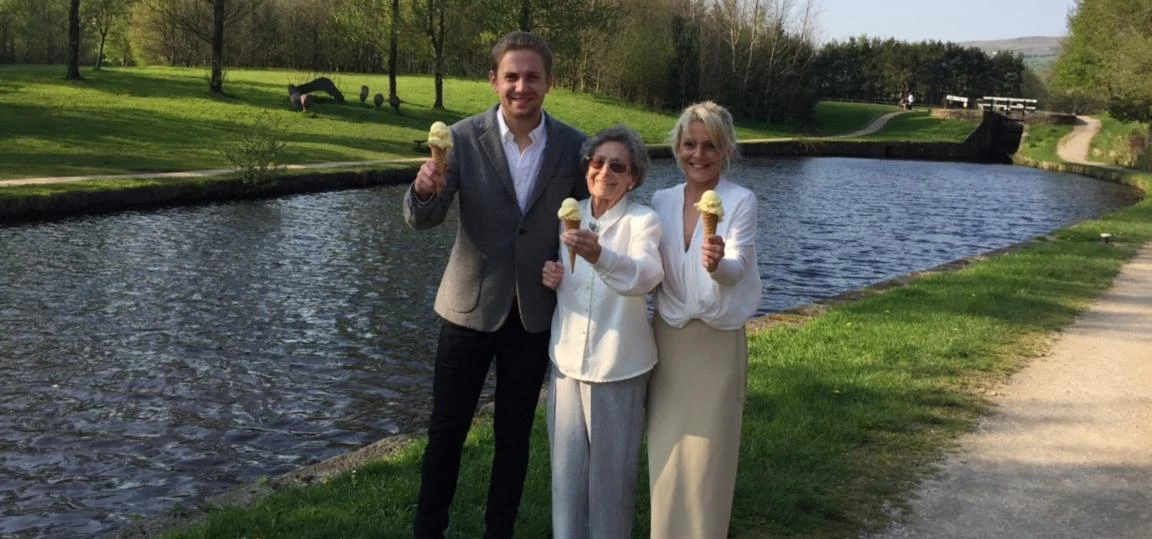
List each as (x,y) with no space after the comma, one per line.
(570,214)
(440,141)
(711,211)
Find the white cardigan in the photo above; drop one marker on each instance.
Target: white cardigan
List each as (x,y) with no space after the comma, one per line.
(600,330)
(726,298)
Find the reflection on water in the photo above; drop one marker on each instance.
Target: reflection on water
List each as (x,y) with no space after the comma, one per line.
(150,357)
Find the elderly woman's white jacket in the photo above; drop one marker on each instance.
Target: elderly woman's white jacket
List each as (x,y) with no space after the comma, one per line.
(600,330)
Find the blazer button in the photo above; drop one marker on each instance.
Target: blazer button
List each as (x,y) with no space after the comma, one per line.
(522,231)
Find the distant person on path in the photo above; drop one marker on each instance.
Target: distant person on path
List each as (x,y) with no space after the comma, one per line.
(602,344)
(711,287)
(911,101)
(510,167)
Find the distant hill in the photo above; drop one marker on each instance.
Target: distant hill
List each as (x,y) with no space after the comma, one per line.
(1038,51)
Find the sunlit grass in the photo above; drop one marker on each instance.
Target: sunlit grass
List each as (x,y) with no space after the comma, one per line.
(1040,142)
(163,119)
(838,118)
(919,126)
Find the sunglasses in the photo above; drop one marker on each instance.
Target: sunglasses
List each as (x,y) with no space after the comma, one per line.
(597,163)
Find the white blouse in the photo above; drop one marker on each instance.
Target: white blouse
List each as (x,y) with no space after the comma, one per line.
(600,329)
(726,298)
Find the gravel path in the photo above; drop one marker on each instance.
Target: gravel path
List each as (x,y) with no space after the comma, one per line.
(1068,452)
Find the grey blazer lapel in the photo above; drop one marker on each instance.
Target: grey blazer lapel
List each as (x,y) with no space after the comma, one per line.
(492,148)
(549,161)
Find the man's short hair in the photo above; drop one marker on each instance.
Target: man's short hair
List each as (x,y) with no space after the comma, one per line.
(521,40)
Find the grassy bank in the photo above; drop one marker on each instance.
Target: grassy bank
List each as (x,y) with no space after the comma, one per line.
(919,126)
(838,117)
(162,119)
(1040,142)
(120,121)
(845,412)
(1112,144)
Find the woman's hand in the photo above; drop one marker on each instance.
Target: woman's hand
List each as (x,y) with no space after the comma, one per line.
(711,252)
(586,244)
(553,272)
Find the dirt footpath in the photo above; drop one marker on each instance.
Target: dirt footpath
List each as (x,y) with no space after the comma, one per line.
(1068,452)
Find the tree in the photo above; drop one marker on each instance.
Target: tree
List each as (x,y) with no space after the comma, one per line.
(73,41)
(191,18)
(1108,52)
(103,15)
(434,26)
(394,26)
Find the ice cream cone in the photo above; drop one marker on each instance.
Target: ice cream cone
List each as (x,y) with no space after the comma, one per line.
(710,222)
(572,225)
(440,155)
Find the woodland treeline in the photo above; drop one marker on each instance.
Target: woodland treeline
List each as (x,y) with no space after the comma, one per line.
(760,58)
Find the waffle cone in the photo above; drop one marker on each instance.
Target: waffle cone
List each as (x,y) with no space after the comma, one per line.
(440,155)
(572,225)
(710,222)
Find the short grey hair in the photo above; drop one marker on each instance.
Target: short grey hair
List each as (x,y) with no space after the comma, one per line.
(637,151)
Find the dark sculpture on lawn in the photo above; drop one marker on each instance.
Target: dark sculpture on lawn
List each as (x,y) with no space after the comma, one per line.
(378,100)
(364,95)
(322,83)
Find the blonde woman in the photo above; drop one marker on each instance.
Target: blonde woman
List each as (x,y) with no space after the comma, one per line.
(711,287)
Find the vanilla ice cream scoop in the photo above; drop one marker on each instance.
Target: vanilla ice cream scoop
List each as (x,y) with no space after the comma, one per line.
(569,210)
(710,203)
(439,135)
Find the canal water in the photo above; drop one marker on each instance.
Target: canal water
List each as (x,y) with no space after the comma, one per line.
(150,358)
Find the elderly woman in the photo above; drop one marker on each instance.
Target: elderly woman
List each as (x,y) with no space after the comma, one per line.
(711,288)
(602,345)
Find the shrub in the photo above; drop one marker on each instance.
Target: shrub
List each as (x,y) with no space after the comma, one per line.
(259,153)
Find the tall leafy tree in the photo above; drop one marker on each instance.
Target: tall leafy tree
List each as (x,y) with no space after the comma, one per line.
(103,16)
(1108,52)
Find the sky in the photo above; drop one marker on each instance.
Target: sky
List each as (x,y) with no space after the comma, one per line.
(965,20)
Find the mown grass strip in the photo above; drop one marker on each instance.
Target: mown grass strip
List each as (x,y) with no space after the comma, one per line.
(920,126)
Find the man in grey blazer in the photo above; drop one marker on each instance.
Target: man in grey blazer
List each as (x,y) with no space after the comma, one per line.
(510,168)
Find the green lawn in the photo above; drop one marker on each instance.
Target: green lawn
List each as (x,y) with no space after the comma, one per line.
(919,126)
(1111,144)
(1040,142)
(159,119)
(837,117)
(163,119)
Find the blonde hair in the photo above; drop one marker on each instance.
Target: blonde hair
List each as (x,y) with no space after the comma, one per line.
(716,119)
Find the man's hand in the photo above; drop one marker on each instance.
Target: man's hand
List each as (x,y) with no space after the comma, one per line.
(553,272)
(711,252)
(429,181)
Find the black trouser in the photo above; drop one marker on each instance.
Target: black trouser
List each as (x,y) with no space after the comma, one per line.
(462,360)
